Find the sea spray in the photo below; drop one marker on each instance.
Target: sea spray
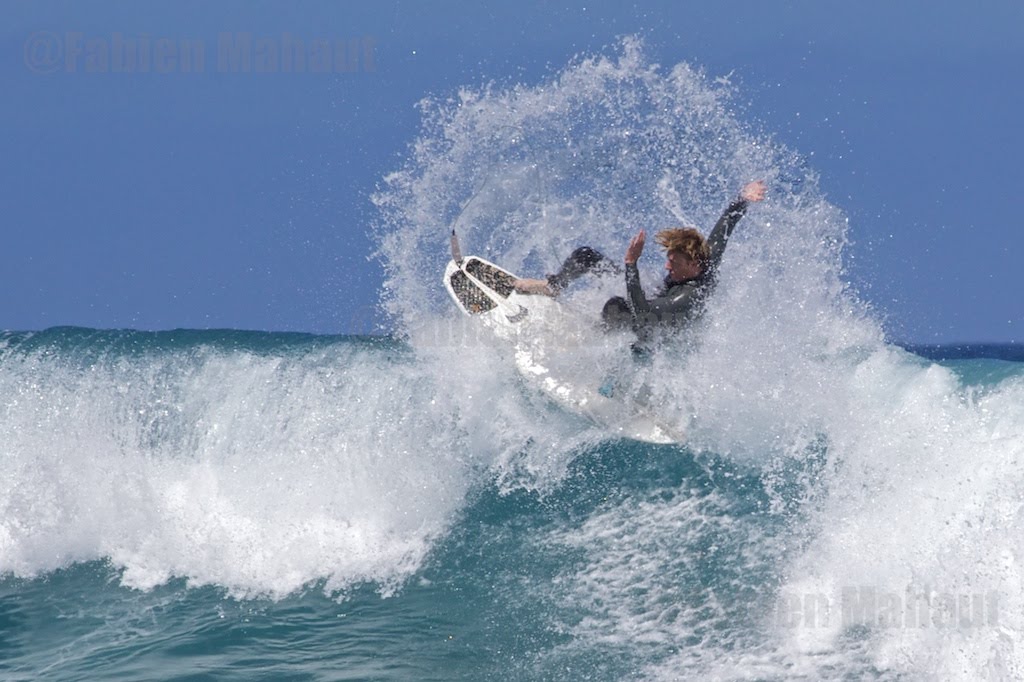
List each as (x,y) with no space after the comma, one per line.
(257,469)
(868,453)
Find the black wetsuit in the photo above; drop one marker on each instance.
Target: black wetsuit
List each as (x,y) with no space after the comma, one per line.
(681,302)
(675,303)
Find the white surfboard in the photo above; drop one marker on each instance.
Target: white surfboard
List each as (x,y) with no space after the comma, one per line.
(528,323)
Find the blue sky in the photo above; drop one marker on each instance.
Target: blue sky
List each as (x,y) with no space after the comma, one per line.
(206,197)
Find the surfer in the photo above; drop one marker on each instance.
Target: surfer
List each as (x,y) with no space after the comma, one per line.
(691,262)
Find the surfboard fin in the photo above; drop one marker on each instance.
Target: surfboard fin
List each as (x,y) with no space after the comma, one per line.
(456,251)
(519,315)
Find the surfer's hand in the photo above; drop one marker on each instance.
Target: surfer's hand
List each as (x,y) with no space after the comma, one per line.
(753,191)
(635,248)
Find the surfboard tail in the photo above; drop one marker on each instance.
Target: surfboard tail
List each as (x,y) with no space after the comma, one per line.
(479,286)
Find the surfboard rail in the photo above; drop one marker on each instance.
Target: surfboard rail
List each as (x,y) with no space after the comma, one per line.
(487,292)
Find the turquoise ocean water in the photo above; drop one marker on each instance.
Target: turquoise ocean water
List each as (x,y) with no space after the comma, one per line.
(236,505)
(189,505)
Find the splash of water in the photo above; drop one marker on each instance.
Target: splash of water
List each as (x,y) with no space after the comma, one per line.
(610,145)
(908,480)
(257,470)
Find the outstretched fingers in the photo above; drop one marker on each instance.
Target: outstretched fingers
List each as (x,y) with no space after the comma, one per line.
(635,248)
(754,191)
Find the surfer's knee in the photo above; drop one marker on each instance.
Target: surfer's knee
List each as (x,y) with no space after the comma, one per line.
(586,256)
(616,314)
(581,261)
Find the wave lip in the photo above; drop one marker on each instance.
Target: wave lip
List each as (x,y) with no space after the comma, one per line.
(256,464)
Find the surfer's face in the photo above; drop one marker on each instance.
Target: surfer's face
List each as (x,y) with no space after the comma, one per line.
(681,267)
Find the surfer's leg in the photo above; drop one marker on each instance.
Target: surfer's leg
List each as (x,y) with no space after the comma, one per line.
(580,262)
(616,314)
(534,286)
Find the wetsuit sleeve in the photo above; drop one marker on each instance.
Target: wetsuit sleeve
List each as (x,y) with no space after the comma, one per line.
(659,308)
(634,291)
(723,228)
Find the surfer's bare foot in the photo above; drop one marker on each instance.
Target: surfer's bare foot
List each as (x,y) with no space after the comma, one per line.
(534,286)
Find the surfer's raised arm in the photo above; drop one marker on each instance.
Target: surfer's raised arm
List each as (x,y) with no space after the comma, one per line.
(691,262)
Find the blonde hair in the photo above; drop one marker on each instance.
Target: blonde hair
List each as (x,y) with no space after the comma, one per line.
(687,241)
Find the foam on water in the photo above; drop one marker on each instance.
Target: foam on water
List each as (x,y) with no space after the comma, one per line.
(919,532)
(256,471)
